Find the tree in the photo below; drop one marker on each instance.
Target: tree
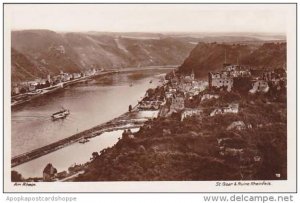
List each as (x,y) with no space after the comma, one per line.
(94,155)
(16,177)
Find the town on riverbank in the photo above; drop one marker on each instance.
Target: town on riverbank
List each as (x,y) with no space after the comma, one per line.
(23,92)
(230,126)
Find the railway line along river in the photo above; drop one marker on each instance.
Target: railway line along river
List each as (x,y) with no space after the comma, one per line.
(90,104)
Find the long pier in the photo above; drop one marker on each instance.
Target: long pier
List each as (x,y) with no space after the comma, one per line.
(119,123)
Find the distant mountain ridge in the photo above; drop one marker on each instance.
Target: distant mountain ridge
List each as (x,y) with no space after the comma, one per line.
(37,53)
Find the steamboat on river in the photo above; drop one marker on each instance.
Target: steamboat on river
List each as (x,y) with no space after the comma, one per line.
(60,114)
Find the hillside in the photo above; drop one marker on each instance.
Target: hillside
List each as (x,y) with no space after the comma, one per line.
(206,57)
(47,52)
(22,67)
(268,55)
(167,149)
(36,53)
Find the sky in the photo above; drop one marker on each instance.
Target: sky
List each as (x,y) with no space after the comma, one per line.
(148,17)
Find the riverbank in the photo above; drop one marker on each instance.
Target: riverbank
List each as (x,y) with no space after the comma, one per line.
(27,97)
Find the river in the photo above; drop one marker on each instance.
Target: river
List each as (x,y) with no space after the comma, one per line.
(91,104)
(75,153)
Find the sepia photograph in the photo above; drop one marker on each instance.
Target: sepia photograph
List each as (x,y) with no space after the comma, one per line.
(149,97)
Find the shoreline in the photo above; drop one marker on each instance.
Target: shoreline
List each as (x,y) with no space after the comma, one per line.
(57,87)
